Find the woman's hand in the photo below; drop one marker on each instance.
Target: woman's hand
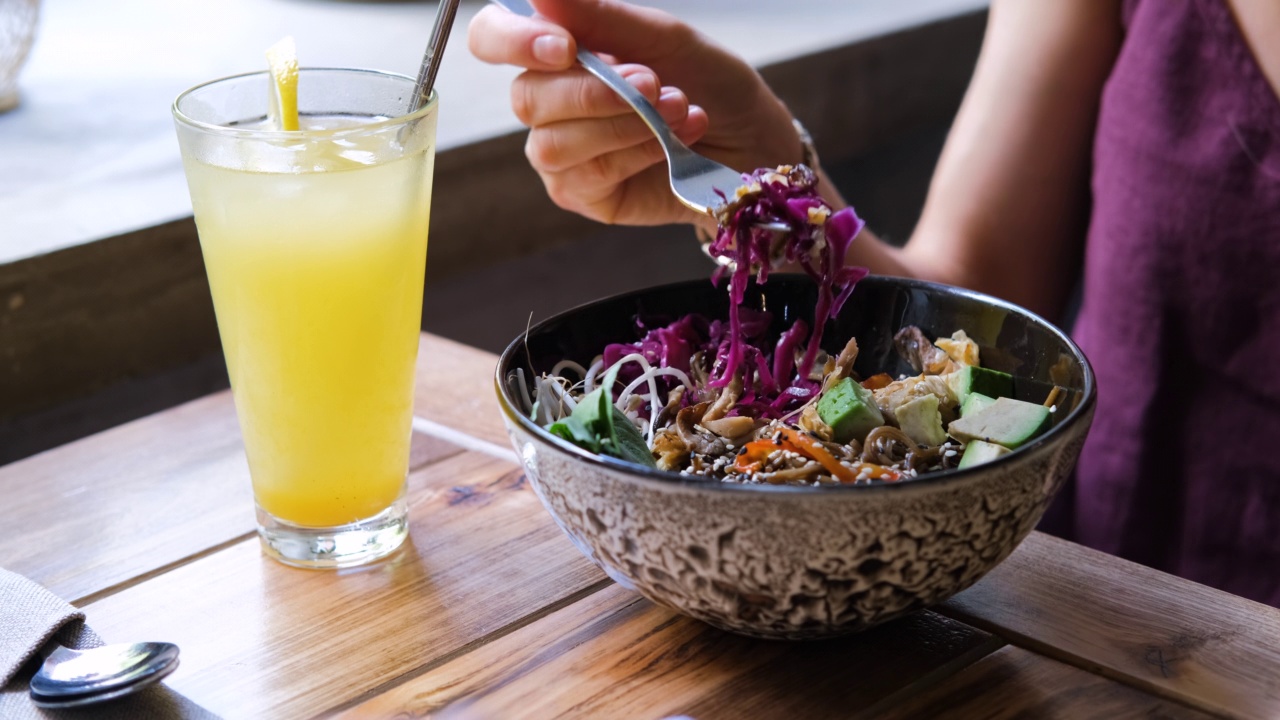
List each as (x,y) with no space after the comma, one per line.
(594,154)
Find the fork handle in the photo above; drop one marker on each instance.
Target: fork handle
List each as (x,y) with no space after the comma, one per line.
(619,84)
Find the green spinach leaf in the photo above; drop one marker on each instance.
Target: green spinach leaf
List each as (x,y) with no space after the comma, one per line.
(600,427)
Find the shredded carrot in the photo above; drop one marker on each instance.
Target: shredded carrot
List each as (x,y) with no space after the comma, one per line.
(754,453)
(814,450)
(875,382)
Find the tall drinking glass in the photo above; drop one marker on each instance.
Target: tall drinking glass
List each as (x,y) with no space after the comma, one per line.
(315,243)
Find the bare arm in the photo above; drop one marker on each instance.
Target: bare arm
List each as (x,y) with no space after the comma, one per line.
(1006,210)
(1007,207)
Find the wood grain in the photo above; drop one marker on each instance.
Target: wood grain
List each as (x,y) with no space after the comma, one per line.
(1157,632)
(456,390)
(1016,683)
(614,654)
(92,515)
(102,510)
(260,639)
(97,513)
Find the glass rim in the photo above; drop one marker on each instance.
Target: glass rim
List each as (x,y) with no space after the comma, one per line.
(240,132)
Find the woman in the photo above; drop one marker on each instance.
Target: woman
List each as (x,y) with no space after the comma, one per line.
(1138,139)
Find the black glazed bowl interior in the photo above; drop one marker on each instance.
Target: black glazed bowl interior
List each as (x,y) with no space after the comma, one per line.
(802,562)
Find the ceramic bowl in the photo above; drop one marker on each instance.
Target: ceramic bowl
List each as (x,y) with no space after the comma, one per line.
(805,562)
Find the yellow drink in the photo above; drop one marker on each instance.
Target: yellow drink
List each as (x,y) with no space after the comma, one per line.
(317,283)
(315,244)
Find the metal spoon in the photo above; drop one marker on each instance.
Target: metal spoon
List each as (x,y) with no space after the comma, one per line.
(69,678)
(696,180)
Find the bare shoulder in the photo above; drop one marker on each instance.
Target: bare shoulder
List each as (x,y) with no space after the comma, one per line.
(1259,22)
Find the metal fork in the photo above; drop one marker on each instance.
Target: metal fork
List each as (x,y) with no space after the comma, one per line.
(696,180)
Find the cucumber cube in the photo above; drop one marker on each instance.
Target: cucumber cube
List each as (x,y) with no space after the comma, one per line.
(850,410)
(973,379)
(1008,422)
(978,452)
(975,403)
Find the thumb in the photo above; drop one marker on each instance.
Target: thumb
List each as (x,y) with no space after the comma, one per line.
(632,33)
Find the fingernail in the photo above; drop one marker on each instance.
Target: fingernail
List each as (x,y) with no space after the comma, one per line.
(645,83)
(551,49)
(669,108)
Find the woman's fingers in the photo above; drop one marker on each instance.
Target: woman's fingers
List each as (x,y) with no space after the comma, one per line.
(540,98)
(501,37)
(588,183)
(557,146)
(597,186)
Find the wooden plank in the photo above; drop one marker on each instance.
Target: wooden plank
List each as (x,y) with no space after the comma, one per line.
(1157,632)
(614,654)
(260,639)
(165,488)
(102,510)
(136,498)
(456,391)
(1016,683)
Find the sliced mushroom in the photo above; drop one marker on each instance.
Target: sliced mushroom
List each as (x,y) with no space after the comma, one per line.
(672,407)
(922,354)
(843,365)
(703,442)
(730,427)
(698,370)
(808,472)
(728,397)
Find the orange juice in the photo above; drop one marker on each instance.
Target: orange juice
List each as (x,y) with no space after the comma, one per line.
(316,271)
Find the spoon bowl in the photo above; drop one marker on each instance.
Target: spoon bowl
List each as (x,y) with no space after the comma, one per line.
(69,678)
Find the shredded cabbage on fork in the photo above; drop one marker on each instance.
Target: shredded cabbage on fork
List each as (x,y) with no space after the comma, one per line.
(817,241)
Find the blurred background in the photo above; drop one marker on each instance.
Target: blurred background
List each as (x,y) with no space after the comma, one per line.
(104,310)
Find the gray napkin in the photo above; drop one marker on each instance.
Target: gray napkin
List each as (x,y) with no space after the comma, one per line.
(31,616)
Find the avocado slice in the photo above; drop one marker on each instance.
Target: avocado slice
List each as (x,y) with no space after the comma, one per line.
(1007,422)
(973,379)
(850,410)
(975,403)
(921,420)
(978,452)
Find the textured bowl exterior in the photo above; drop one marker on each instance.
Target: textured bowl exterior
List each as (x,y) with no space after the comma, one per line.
(806,562)
(792,565)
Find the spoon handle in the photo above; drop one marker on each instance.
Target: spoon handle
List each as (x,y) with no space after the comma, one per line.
(435,49)
(616,82)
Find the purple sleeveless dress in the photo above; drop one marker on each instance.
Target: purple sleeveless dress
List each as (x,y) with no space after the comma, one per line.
(1181,311)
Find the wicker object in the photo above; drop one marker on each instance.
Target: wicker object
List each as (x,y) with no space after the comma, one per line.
(17,31)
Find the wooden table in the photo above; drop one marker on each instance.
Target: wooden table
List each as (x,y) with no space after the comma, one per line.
(490,612)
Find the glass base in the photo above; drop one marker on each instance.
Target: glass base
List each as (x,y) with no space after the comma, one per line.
(356,543)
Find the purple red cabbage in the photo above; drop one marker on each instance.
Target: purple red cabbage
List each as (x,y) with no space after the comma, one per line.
(774,383)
